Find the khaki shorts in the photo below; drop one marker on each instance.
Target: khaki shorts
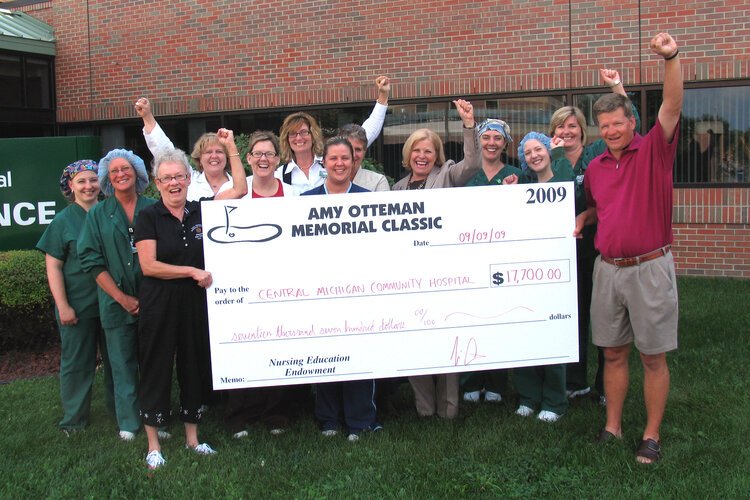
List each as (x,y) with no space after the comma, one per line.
(635,304)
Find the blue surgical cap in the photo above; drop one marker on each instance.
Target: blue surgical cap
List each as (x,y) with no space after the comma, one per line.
(134,160)
(532,135)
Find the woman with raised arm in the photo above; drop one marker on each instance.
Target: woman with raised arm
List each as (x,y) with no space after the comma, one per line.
(569,124)
(302,142)
(173,328)
(74,293)
(494,138)
(209,155)
(107,251)
(372,181)
(424,158)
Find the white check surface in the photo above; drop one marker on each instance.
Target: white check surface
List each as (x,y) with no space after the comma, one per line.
(485,278)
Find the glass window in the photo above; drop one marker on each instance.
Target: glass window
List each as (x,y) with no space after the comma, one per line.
(714,144)
(403,119)
(38,83)
(523,114)
(11,82)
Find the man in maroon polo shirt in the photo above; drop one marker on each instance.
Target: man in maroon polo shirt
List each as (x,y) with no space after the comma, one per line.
(629,192)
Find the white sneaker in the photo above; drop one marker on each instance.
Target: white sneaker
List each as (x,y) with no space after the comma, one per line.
(154,459)
(548,416)
(578,393)
(492,397)
(164,434)
(330,432)
(127,436)
(202,449)
(241,434)
(524,411)
(277,431)
(353,437)
(472,397)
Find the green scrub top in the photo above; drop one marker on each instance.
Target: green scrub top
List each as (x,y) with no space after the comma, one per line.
(60,240)
(481,178)
(106,244)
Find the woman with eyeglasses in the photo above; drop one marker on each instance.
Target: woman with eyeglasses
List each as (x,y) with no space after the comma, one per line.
(107,251)
(302,142)
(263,158)
(268,405)
(174,319)
(209,154)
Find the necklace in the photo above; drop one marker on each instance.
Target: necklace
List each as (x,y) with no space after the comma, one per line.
(416,184)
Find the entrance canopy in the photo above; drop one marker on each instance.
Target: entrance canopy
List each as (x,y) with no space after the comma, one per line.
(20,32)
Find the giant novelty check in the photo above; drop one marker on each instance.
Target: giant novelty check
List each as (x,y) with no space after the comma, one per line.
(372,285)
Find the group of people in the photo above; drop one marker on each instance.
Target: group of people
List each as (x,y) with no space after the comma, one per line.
(119,269)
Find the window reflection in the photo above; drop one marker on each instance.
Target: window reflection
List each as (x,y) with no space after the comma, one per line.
(523,114)
(38,83)
(715,136)
(11,84)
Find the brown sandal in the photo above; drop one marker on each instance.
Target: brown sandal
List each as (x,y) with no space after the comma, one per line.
(604,436)
(650,450)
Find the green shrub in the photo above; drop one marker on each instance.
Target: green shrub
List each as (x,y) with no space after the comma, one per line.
(27,318)
(370,164)
(24,283)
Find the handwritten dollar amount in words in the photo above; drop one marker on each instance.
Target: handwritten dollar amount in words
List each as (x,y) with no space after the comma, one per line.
(530,273)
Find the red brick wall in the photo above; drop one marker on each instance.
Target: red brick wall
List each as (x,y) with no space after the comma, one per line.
(41,11)
(712,231)
(221,55)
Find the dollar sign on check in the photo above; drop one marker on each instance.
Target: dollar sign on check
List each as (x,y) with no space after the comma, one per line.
(497,279)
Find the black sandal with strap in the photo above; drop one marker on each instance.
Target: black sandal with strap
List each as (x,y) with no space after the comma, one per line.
(650,450)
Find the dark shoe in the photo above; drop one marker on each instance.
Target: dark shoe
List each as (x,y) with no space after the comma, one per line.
(649,450)
(604,436)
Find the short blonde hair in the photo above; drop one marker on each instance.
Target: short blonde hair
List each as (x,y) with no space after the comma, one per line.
(290,123)
(202,143)
(261,136)
(420,135)
(562,114)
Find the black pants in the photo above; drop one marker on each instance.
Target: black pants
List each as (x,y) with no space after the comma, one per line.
(173,326)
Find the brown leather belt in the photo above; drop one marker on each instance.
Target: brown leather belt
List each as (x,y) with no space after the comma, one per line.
(634,261)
